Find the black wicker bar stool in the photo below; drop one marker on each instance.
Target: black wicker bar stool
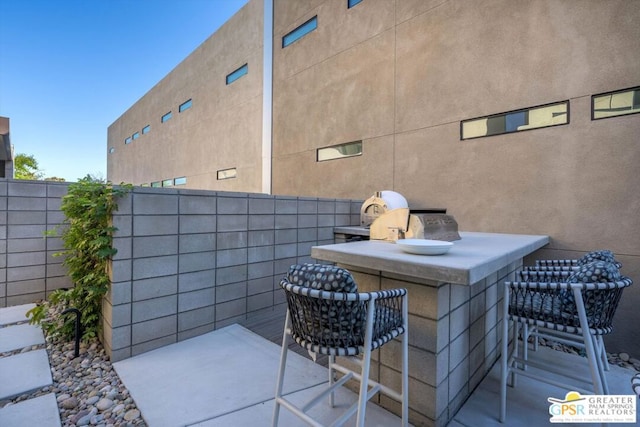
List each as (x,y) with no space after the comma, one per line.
(573,264)
(538,272)
(576,308)
(326,315)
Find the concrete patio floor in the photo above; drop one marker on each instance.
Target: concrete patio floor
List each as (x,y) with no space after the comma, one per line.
(227,378)
(527,404)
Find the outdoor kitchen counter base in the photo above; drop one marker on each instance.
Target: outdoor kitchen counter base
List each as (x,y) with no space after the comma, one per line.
(454,313)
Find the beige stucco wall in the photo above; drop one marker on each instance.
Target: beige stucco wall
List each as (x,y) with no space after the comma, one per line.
(334,85)
(401,75)
(221,130)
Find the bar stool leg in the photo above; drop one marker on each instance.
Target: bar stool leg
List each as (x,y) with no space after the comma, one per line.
(283,364)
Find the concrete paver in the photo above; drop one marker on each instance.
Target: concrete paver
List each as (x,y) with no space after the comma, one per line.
(23,373)
(20,336)
(14,314)
(40,411)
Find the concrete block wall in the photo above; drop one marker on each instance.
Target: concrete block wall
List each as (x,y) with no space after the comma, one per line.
(28,270)
(192,261)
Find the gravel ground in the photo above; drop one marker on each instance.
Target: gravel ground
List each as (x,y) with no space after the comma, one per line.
(624,360)
(87,388)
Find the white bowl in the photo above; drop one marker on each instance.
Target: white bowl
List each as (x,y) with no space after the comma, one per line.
(424,246)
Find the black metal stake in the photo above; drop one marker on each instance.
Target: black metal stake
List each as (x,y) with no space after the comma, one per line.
(78,327)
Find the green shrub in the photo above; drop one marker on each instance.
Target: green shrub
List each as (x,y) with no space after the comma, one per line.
(87,234)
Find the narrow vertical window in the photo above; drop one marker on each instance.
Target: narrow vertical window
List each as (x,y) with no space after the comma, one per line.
(135,136)
(166,117)
(300,32)
(235,75)
(127,140)
(184,106)
(112,150)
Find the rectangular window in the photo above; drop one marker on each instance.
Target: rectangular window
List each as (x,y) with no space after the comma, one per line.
(166,117)
(227,173)
(184,106)
(300,32)
(516,121)
(146,129)
(136,135)
(618,103)
(349,149)
(167,183)
(351,3)
(180,181)
(128,140)
(156,184)
(232,77)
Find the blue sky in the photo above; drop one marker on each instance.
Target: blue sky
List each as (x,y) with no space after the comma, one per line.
(70,68)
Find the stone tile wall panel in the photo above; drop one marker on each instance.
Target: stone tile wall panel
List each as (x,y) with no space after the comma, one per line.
(155,246)
(232,223)
(261,238)
(26,217)
(197,261)
(204,223)
(196,299)
(197,242)
(195,318)
(232,240)
(261,206)
(155,225)
(197,280)
(192,205)
(27,204)
(26,245)
(260,253)
(155,267)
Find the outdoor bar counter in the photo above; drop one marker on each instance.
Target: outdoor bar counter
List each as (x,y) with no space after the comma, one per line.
(454,313)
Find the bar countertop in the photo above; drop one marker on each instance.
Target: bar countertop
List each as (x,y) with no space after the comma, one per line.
(472,258)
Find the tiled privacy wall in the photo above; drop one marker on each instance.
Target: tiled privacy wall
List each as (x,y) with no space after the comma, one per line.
(454,334)
(28,269)
(191,261)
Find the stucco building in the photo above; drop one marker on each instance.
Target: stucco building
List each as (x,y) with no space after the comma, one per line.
(6,149)
(516,116)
